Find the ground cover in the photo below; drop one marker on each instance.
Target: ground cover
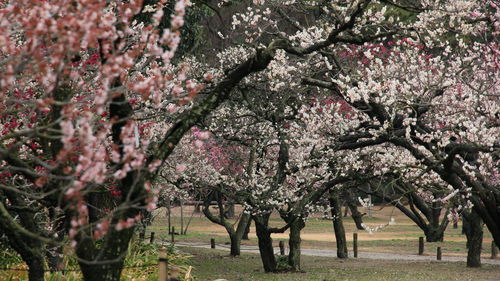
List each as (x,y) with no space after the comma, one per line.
(212,264)
(141,264)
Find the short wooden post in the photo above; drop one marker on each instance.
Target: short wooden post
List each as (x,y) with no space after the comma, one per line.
(494,250)
(152,237)
(162,264)
(438,253)
(282,248)
(212,243)
(172,239)
(142,234)
(355,244)
(420,245)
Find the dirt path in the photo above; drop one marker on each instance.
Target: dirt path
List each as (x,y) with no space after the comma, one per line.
(331,253)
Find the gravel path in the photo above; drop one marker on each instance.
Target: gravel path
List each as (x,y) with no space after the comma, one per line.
(332,253)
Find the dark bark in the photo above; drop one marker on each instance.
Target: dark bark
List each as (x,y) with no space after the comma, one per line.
(229,210)
(474,235)
(294,243)
(346,211)
(425,216)
(105,263)
(235,235)
(434,234)
(247,231)
(265,243)
(55,254)
(338,226)
(27,246)
(435,228)
(36,270)
(357,216)
(235,245)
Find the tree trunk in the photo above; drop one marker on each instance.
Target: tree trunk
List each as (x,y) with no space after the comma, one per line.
(435,229)
(265,243)
(338,226)
(55,258)
(169,217)
(104,263)
(346,211)
(474,239)
(229,210)
(237,235)
(294,244)
(357,216)
(103,272)
(31,250)
(54,254)
(235,245)
(433,234)
(35,264)
(247,230)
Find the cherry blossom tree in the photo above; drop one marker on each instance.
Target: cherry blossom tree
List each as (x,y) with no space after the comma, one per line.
(92,103)
(427,88)
(433,95)
(79,82)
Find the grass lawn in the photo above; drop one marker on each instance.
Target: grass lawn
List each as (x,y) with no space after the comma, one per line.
(213,264)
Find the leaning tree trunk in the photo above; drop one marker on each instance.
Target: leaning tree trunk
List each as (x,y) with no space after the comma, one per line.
(357,216)
(474,235)
(229,210)
(247,231)
(237,235)
(338,226)
(294,244)
(265,243)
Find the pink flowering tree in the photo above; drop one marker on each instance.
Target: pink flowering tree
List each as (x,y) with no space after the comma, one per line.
(81,82)
(76,78)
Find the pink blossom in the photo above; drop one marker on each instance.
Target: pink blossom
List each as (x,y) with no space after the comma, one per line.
(180,168)
(198,143)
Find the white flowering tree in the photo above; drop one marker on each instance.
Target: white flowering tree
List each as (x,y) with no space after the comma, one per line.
(432,94)
(427,87)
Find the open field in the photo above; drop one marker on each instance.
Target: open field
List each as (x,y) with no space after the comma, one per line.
(318,233)
(212,264)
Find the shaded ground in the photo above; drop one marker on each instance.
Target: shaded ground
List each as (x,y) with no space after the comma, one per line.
(212,264)
(333,253)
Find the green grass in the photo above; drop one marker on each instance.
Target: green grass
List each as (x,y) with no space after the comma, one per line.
(213,264)
(140,264)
